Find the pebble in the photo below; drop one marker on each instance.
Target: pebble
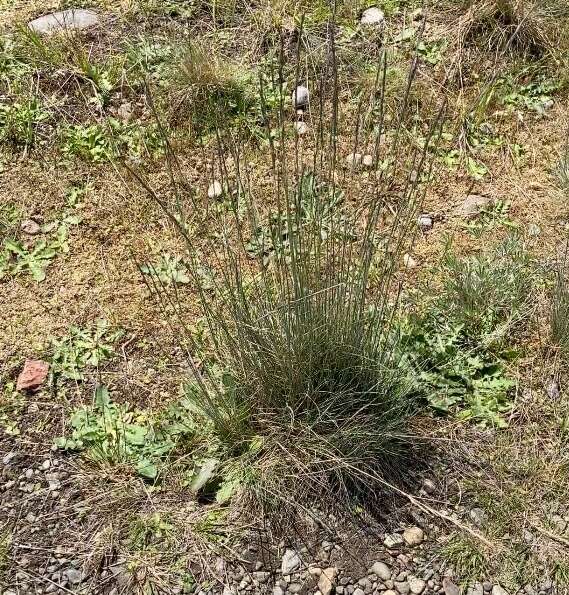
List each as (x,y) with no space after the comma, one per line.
(449,587)
(291,561)
(215,190)
(478,516)
(409,262)
(358,591)
(372,16)
(353,159)
(498,590)
(403,588)
(46,465)
(300,97)
(413,536)
(472,205)
(381,570)
(74,18)
(475,589)
(552,388)
(367,160)
(327,580)
(487,585)
(301,127)
(74,576)
(392,541)
(417,585)
(425,222)
(30,227)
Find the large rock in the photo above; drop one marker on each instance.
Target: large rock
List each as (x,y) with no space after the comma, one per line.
(381,570)
(300,97)
(327,580)
(413,536)
(373,16)
(33,375)
(74,18)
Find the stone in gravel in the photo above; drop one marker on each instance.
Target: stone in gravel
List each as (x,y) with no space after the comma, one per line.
(301,128)
(291,561)
(278,591)
(409,261)
(552,388)
(413,536)
(449,587)
(261,577)
(353,159)
(300,97)
(33,375)
(215,190)
(403,587)
(294,588)
(30,227)
(381,570)
(472,205)
(498,590)
(77,18)
(367,160)
(46,465)
(416,585)
(389,592)
(74,576)
(373,16)
(487,585)
(478,516)
(425,222)
(365,584)
(358,591)
(393,540)
(475,589)
(327,580)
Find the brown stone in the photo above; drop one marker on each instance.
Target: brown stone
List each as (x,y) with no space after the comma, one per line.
(33,375)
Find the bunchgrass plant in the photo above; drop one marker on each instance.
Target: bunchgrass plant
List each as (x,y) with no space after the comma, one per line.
(306,391)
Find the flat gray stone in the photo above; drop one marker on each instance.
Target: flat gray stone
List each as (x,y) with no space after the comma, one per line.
(73,18)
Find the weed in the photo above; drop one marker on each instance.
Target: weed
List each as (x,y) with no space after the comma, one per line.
(466,557)
(489,218)
(170,269)
(19,122)
(87,142)
(560,306)
(11,406)
(113,434)
(148,531)
(432,52)
(83,348)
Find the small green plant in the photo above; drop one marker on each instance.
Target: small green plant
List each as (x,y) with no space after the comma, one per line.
(16,258)
(148,532)
(116,434)
(87,142)
(536,95)
(432,52)
(168,270)
(12,404)
(83,348)
(19,122)
(489,218)
(466,557)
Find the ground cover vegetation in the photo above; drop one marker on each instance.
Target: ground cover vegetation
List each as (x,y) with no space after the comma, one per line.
(297,274)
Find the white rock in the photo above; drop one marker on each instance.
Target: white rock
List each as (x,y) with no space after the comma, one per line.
(498,590)
(300,97)
(413,536)
(381,570)
(416,585)
(353,159)
(30,227)
(372,16)
(473,204)
(291,561)
(327,580)
(429,486)
(301,128)
(368,160)
(425,222)
(475,589)
(392,541)
(74,18)
(215,190)
(409,261)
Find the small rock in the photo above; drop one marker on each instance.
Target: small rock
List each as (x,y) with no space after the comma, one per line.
(449,587)
(552,388)
(327,580)
(358,591)
(372,16)
(472,205)
(74,576)
(74,18)
(301,127)
(300,97)
(393,541)
(534,230)
(46,465)
(278,591)
(413,536)
(409,262)
(381,570)
(425,222)
(389,592)
(33,375)
(294,588)
(475,589)
(30,227)
(367,160)
(429,486)
(215,190)
(261,577)
(417,585)
(487,586)
(498,590)
(353,159)
(125,111)
(478,516)
(403,587)
(291,561)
